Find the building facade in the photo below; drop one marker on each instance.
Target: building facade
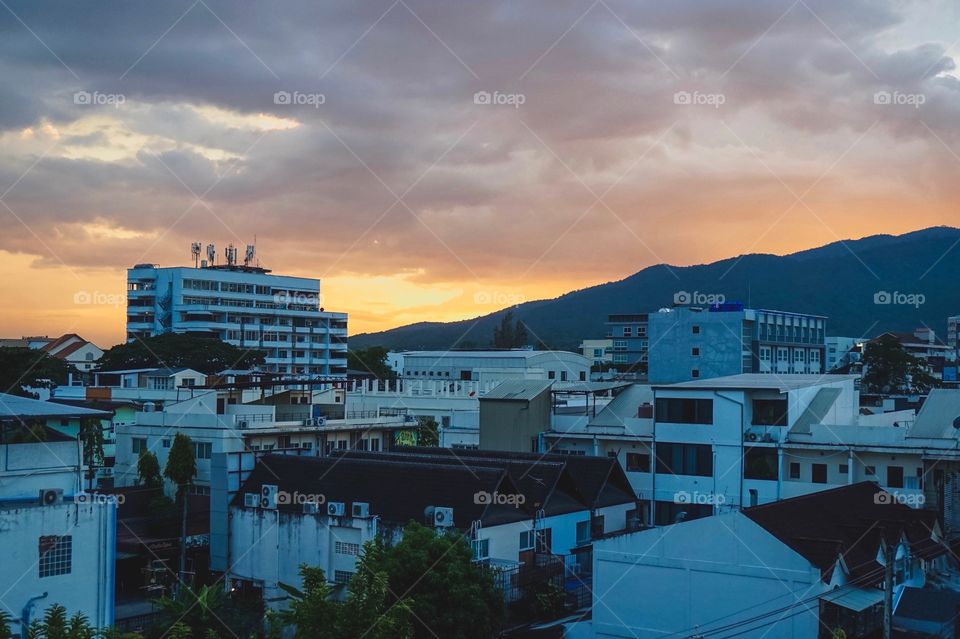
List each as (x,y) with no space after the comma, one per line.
(495,365)
(245,306)
(630,342)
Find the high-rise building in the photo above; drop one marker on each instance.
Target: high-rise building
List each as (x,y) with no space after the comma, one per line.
(241,304)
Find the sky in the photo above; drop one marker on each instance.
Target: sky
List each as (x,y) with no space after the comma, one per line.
(441,159)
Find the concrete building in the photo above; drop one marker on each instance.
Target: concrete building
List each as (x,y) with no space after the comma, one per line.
(728,339)
(514,414)
(923,344)
(795,569)
(58,541)
(630,341)
(495,365)
(598,351)
(843,352)
(519,512)
(242,305)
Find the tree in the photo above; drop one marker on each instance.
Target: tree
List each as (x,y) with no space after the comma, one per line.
(372,359)
(181,469)
(55,624)
(429,432)
(202,354)
(509,334)
(891,369)
(454,596)
(148,469)
(5,619)
(91,437)
(23,368)
(193,614)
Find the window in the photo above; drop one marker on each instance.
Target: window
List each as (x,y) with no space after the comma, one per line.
(583,532)
(695,373)
(563,376)
(678,410)
(794,470)
(895,476)
(342,576)
(695,329)
(761,463)
(627,331)
(202,450)
(819,473)
(583,376)
(551,375)
(56,555)
(843,469)
(695,351)
(638,462)
(769,412)
(138,445)
(685,459)
(374,444)
(346,548)
(527,539)
(481,549)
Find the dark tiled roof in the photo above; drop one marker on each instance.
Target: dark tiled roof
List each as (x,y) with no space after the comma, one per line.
(397,491)
(850,522)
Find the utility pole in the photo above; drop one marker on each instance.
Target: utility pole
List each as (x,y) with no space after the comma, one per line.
(887,587)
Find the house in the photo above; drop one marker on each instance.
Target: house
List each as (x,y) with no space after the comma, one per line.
(58,540)
(74,350)
(274,512)
(798,568)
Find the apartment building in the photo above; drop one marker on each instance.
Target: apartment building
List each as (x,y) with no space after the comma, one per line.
(495,365)
(689,342)
(243,305)
(630,342)
(598,351)
(58,541)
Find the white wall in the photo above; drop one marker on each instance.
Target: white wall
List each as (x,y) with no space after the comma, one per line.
(671,579)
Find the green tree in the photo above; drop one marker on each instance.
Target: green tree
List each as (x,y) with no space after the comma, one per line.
(429,431)
(21,368)
(91,438)
(891,369)
(55,624)
(190,614)
(454,596)
(202,354)
(372,359)
(148,469)
(5,619)
(181,469)
(510,334)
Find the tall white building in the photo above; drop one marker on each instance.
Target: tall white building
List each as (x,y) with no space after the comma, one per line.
(243,305)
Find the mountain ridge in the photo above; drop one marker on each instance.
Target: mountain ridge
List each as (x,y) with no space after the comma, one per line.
(838,280)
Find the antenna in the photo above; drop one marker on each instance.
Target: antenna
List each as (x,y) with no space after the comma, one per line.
(231,253)
(195,251)
(250,254)
(211,254)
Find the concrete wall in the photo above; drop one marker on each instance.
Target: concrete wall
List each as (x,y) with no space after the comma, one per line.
(513,425)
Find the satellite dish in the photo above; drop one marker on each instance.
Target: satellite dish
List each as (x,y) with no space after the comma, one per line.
(956,423)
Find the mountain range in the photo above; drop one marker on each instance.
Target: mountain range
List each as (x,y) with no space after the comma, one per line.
(864,287)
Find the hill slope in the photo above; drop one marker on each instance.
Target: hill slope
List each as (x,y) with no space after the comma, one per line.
(838,280)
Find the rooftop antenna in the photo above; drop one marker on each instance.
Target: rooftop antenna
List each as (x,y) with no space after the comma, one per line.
(231,253)
(250,254)
(211,254)
(195,251)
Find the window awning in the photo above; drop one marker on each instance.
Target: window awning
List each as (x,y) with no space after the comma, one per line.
(855,599)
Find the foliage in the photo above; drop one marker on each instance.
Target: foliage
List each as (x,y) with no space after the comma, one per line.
(891,369)
(372,359)
(191,613)
(545,599)
(509,334)
(429,431)
(148,470)
(368,611)
(91,435)
(55,624)
(5,619)
(453,596)
(181,464)
(24,367)
(202,354)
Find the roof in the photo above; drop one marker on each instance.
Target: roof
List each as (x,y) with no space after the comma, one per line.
(397,491)
(855,599)
(816,410)
(849,523)
(939,606)
(624,406)
(519,353)
(588,387)
(168,372)
(937,415)
(779,382)
(16,407)
(598,481)
(519,389)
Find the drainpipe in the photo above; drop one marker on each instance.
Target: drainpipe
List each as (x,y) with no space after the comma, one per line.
(25,615)
(850,466)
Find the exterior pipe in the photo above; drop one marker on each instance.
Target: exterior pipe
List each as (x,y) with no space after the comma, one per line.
(25,618)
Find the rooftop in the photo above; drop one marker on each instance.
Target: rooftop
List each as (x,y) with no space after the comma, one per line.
(16,407)
(518,389)
(780,382)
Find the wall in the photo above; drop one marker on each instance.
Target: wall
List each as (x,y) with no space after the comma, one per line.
(513,425)
(672,579)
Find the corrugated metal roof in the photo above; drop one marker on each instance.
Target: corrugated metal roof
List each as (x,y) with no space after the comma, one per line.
(855,599)
(519,389)
(782,382)
(16,406)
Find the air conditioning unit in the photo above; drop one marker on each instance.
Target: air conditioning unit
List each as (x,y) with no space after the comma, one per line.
(752,437)
(336,509)
(51,496)
(268,496)
(251,500)
(311,508)
(442,517)
(360,509)
(242,423)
